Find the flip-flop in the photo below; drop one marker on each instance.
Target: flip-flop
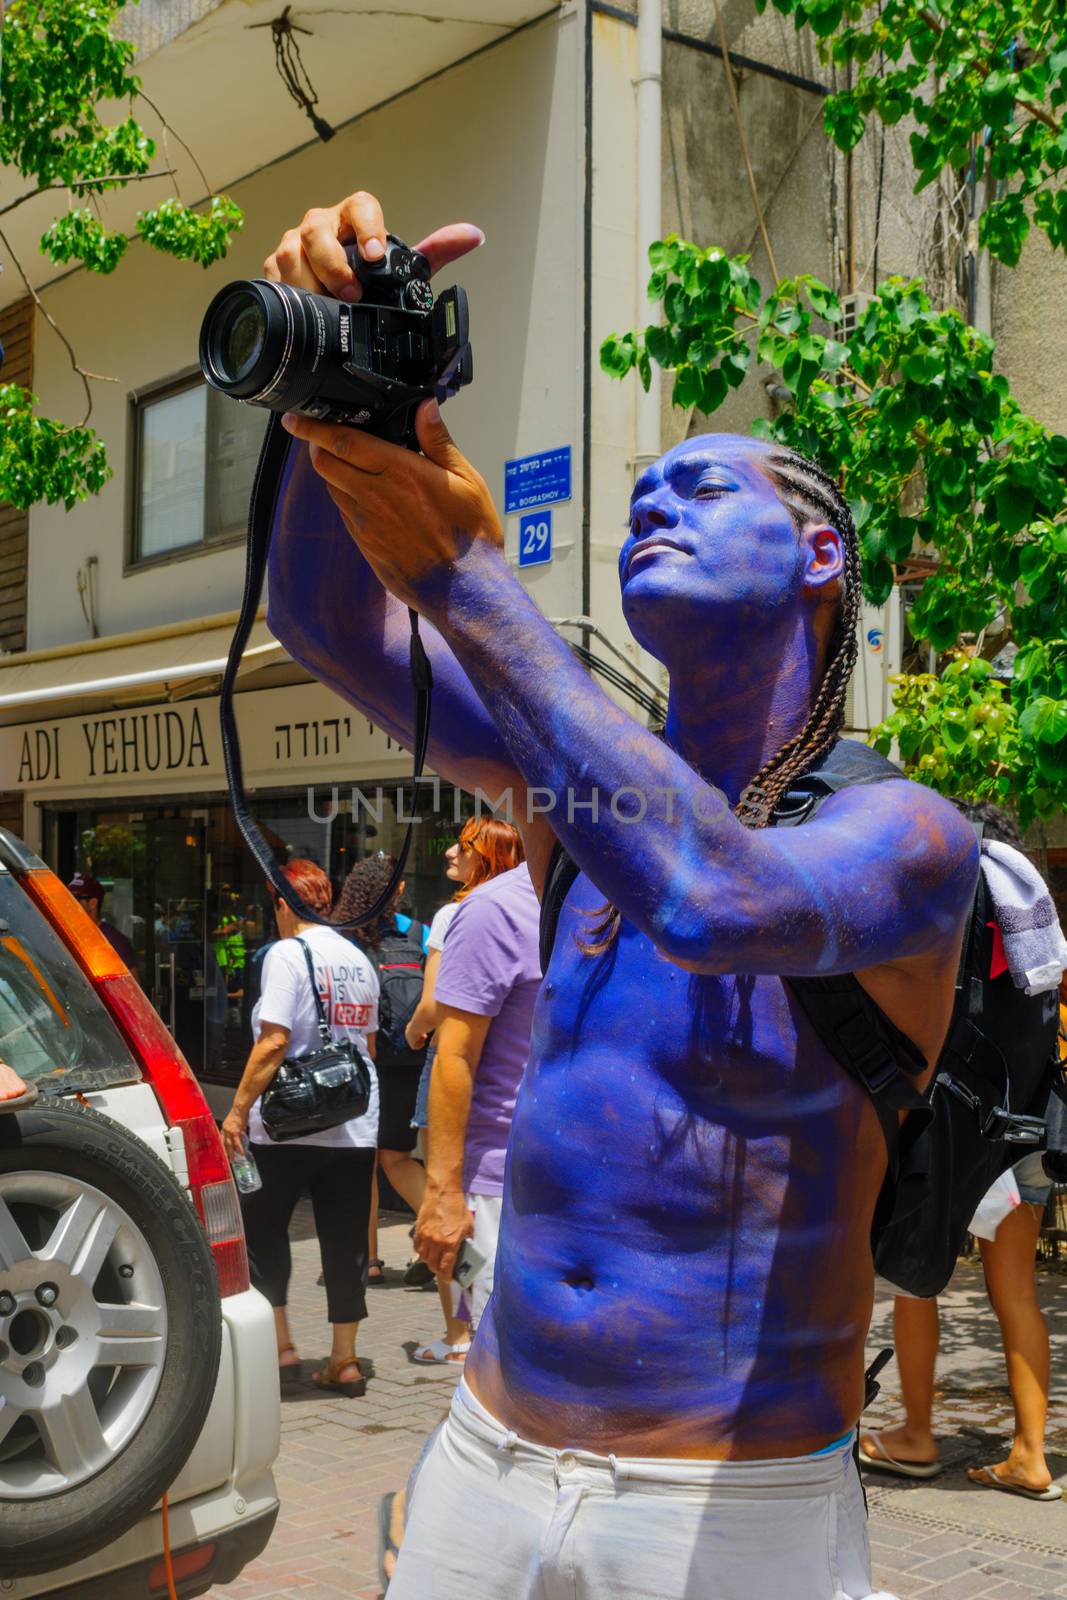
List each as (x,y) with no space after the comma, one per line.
(884,1462)
(990,1479)
(387,1545)
(440,1354)
(20,1102)
(379,1281)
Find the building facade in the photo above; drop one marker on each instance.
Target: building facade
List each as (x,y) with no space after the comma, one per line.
(538,123)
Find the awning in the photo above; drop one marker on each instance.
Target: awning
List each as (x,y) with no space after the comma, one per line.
(157,663)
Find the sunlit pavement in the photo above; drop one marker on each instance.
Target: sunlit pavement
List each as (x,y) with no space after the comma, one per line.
(949,1539)
(945,1540)
(338,1456)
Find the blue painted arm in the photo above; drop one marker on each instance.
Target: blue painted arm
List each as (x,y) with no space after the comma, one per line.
(333,616)
(883,874)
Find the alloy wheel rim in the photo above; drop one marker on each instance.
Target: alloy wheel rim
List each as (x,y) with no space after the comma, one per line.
(83,1332)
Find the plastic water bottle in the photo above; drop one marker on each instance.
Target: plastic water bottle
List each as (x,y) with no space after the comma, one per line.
(245,1172)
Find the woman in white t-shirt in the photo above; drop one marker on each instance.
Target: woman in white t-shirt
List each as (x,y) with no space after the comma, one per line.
(336,1167)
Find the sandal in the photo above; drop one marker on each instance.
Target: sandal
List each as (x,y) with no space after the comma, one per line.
(375,1280)
(330,1378)
(418,1275)
(440,1354)
(292,1371)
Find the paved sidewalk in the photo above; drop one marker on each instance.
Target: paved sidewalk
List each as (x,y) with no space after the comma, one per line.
(949,1539)
(946,1540)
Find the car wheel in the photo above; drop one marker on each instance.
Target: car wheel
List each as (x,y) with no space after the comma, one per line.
(110,1334)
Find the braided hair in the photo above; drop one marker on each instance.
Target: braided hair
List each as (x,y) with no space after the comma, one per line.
(810,494)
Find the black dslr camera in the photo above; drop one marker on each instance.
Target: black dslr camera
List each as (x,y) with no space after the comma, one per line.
(365,365)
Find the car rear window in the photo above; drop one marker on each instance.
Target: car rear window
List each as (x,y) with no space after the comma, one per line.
(54,1029)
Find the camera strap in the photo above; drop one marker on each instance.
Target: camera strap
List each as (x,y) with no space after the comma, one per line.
(265,489)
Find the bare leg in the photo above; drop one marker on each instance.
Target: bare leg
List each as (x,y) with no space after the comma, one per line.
(287,1356)
(343,1350)
(1009,1274)
(456,1330)
(406,1175)
(916,1335)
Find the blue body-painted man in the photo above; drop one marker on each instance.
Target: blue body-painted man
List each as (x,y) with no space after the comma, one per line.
(684,1281)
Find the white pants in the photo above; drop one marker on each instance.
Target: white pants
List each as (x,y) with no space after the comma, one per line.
(486,1209)
(493,1518)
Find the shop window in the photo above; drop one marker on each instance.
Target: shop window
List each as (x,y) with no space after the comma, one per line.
(195,454)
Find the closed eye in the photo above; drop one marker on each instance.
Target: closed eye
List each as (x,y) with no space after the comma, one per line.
(708,491)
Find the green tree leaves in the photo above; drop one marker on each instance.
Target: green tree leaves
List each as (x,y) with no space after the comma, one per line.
(60,61)
(958,733)
(986,78)
(192,235)
(938,461)
(81,236)
(44,460)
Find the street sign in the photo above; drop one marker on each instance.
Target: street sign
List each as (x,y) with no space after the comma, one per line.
(539,480)
(535,538)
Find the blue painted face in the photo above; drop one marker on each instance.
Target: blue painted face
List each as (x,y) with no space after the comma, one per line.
(710,540)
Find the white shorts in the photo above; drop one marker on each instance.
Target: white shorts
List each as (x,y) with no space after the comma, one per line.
(493,1518)
(486,1209)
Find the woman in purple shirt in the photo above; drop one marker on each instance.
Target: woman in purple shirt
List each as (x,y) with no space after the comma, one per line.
(487,983)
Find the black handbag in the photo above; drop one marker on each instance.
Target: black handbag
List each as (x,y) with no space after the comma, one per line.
(319,1091)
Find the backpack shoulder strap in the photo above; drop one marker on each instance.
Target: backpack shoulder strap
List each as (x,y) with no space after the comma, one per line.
(562,872)
(847,765)
(852,1026)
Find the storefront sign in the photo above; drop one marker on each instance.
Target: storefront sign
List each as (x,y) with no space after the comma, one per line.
(288,736)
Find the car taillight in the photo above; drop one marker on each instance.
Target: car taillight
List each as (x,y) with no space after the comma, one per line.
(180,1097)
(215,1196)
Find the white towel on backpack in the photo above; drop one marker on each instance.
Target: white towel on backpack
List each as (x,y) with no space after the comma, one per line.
(1034,945)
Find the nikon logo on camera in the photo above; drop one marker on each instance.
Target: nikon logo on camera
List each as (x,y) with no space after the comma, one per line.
(346,326)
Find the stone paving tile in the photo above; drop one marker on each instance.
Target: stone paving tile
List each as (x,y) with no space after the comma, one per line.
(339,1455)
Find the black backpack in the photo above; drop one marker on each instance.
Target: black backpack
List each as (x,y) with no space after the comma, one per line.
(997,1091)
(399,962)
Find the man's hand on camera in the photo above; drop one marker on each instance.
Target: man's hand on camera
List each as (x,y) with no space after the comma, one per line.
(312,255)
(414,517)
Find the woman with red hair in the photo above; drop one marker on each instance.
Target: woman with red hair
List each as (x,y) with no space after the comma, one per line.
(334,1167)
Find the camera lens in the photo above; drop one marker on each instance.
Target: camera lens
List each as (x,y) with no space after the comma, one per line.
(239,336)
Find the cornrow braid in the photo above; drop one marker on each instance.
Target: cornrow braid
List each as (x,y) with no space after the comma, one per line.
(809,492)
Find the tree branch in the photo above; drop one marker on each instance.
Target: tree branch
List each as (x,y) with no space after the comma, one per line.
(984,70)
(54,325)
(208,189)
(85,183)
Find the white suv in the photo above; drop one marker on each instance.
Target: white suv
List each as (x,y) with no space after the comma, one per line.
(138,1373)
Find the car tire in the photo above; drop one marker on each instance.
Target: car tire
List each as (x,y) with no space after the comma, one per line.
(113,1330)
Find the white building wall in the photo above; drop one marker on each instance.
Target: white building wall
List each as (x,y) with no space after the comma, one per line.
(497,140)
